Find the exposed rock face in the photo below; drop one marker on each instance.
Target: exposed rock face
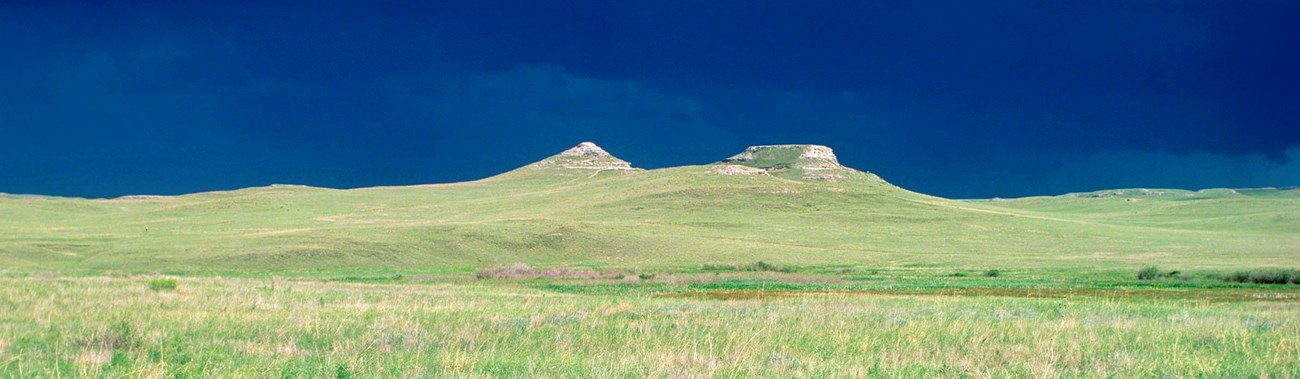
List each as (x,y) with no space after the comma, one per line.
(735,169)
(585,149)
(819,153)
(585,156)
(809,161)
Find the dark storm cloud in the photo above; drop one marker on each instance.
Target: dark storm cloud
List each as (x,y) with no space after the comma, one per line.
(1178,76)
(952,98)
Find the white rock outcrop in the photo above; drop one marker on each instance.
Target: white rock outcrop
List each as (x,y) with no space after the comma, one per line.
(735,169)
(584,156)
(819,153)
(585,149)
(816,161)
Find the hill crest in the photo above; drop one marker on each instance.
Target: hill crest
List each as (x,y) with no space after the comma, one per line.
(584,156)
(815,162)
(585,149)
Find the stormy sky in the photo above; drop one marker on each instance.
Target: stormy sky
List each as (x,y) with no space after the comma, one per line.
(952,98)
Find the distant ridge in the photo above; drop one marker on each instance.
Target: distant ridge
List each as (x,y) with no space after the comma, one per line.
(23,196)
(1139,193)
(140,197)
(788,161)
(582,205)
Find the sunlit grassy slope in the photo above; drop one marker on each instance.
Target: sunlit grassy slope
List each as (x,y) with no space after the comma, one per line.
(670,217)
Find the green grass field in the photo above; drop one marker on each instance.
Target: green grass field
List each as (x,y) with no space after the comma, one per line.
(640,273)
(305,328)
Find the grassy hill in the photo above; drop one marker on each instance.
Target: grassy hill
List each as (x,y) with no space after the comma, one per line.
(587,208)
(777,262)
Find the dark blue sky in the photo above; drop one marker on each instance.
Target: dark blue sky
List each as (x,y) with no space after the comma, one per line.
(953,98)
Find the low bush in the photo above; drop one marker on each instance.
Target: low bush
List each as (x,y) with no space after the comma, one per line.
(1148,273)
(1265,276)
(993,273)
(162,284)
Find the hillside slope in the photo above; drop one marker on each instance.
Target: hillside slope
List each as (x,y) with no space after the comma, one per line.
(790,204)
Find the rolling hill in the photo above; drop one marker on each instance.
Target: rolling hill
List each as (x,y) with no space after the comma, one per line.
(791,204)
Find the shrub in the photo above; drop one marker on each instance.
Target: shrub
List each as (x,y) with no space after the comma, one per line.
(645,276)
(1148,273)
(162,284)
(1274,276)
(764,266)
(1265,276)
(993,273)
(957,274)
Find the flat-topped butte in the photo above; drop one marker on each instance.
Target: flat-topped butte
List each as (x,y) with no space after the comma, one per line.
(815,162)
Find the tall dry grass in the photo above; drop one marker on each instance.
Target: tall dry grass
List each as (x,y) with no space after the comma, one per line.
(245,328)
